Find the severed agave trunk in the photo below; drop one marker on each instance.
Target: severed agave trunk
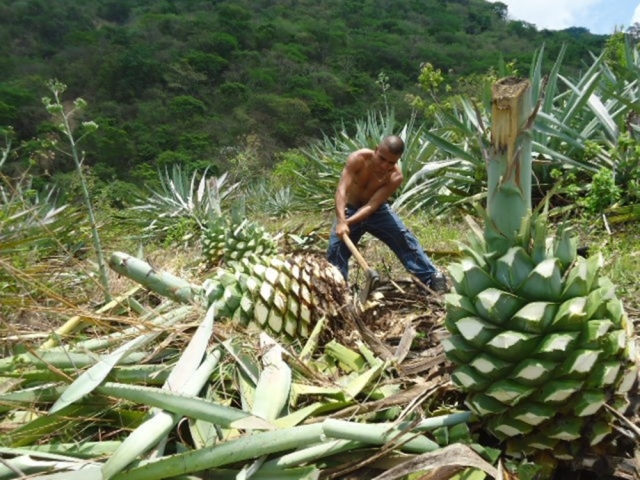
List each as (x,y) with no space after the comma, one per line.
(256,286)
(540,341)
(509,169)
(284,295)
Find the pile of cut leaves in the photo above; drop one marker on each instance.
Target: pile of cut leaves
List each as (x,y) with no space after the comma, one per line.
(181,387)
(267,367)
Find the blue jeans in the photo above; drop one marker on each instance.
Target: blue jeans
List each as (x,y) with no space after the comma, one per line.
(387,226)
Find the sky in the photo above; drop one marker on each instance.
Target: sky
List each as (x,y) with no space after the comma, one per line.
(598,16)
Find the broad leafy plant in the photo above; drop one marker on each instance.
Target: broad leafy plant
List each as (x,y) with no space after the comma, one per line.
(577,130)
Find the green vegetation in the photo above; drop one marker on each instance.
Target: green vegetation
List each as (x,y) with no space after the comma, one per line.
(202,83)
(219,342)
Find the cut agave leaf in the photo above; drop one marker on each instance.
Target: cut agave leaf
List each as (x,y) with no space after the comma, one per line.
(513,268)
(497,306)
(476,331)
(589,403)
(509,392)
(597,431)
(579,363)
(469,379)
(458,307)
(578,283)
(534,317)
(568,429)
(554,346)
(469,279)
(511,345)
(504,428)
(533,413)
(483,405)
(543,283)
(533,371)
(458,349)
(593,331)
(491,367)
(604,374)
(571,315)
(557,392)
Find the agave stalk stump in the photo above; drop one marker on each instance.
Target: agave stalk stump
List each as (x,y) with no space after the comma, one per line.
(509,169)
(540,341)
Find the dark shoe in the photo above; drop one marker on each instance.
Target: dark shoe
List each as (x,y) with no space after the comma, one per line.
(439,283)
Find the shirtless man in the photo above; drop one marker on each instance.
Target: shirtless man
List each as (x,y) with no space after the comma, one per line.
(369,178)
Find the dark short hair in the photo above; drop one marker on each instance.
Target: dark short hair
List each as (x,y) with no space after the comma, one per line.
(395,144)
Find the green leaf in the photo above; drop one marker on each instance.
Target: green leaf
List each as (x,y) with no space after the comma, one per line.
(94,376)
(459,349)
(362,381)
(513,268)
(159,423)
(497,306)
(227,453)
(274,384)
(534,317)
(192,407)
(544,282)
(469,279)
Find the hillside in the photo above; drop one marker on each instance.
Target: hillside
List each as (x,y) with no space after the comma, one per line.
(214,83)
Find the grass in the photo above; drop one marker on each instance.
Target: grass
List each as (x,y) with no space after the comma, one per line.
(621,252)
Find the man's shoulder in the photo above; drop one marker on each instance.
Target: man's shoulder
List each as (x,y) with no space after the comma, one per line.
(361,154)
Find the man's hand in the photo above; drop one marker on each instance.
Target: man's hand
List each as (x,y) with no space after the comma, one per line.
(342,229)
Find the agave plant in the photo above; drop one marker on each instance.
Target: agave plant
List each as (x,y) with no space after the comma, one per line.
(198,199)
(232,237)
(33,226)
(573,116)
(540,340)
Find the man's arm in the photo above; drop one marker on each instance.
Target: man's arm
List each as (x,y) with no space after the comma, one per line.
(347,178)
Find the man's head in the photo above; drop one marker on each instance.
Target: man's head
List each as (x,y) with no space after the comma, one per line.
(388,153)
(394,143)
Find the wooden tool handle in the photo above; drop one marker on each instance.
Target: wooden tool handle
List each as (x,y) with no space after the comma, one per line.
(355,252)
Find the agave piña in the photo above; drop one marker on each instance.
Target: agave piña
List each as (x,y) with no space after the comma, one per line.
(539,338)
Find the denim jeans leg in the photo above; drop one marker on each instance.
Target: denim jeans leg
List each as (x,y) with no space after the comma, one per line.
(338,253)
(387,226)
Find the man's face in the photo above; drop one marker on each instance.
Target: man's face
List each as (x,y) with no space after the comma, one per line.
(384,160)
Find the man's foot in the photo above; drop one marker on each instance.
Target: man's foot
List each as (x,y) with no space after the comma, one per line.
(439,283)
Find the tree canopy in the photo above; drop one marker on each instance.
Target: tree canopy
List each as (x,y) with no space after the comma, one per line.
(195,82)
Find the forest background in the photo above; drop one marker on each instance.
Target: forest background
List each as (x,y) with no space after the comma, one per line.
(234,86)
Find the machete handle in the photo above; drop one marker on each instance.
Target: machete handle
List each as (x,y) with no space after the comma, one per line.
(361,261)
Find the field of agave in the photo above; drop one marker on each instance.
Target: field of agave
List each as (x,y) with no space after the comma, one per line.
(239,352)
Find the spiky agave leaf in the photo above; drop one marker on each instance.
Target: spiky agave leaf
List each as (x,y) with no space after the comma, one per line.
(194,197)
(285,295)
